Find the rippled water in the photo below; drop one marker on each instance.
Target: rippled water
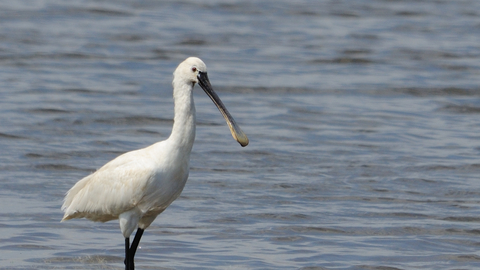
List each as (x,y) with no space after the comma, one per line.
(362,117)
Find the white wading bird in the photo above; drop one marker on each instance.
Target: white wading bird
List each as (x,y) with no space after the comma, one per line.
(139,185)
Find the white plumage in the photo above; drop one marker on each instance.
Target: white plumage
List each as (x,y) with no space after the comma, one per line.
(139,185)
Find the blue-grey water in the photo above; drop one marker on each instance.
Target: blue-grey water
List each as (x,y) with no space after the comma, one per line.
(363,119)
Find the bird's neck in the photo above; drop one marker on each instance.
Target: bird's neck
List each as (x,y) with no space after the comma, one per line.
(183,131)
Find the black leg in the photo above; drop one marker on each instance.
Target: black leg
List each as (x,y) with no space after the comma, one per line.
(127,254)
(136,241)
(131,265)
(131,250)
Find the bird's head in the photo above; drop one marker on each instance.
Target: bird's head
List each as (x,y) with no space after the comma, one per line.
(191,71)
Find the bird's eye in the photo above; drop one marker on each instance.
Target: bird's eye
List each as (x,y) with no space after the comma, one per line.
(194,69)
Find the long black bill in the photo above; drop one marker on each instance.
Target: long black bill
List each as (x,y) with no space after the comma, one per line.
(236,131)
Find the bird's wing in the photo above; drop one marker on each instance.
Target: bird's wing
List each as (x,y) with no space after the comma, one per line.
(113,189)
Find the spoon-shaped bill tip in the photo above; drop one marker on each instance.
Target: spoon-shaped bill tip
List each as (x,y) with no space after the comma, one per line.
(237,133)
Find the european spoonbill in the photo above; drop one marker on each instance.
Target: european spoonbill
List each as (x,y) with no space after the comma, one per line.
(139,185)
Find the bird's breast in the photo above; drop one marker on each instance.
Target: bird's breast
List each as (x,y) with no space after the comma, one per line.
(166,183)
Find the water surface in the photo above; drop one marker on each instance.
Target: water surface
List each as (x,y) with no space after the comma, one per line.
(362,118)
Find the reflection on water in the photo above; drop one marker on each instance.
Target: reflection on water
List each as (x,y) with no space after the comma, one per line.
(362,119)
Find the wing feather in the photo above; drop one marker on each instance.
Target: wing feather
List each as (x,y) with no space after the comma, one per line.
(116,187)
